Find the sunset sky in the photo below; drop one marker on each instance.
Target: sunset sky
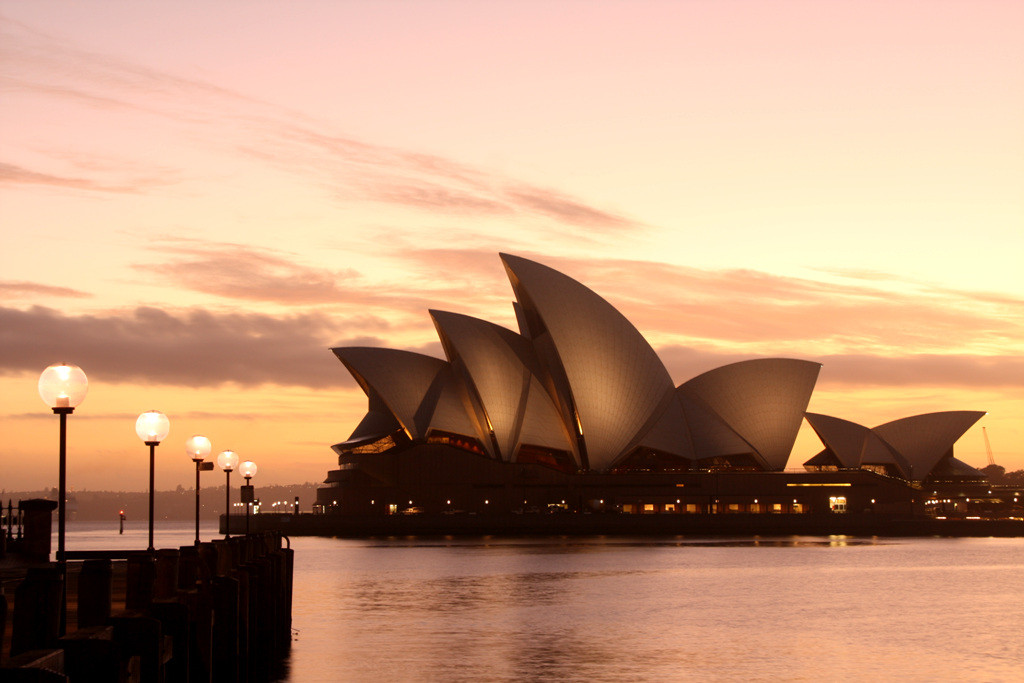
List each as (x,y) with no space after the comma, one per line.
(198,199)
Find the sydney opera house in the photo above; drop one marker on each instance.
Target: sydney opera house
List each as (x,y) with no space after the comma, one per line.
(575,412)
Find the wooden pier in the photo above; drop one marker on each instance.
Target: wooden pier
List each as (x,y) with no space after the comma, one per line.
(216,611)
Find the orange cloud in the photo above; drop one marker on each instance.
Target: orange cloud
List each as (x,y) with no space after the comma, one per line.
(244,273)
(22,290)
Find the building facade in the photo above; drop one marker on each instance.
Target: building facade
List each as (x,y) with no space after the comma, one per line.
(575,412)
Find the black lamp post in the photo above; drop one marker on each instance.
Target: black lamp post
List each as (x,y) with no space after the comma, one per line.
(227,461)
(198,447)
(62,387)
(248,470)
(152,427)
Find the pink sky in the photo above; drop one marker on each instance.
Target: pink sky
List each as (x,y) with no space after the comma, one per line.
(198,199)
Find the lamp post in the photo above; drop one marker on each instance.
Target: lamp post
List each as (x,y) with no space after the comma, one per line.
(227,461)
(62,387)
(198,447)
(248,470)
(152,427)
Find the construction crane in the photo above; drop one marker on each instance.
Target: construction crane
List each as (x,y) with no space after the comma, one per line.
(988,447)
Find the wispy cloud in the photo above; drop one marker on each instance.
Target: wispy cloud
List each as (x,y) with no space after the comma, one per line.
(883,330)
(240,272)
(48,60)
(431,196)
(243,273)
(351,170)
(746,311)
(924,369)
(16,175)
(34,290)
(851,371)
(568,210)
(346,168)
(742,307)
(480,265)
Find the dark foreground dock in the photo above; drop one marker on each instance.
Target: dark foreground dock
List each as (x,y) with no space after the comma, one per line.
(217,611)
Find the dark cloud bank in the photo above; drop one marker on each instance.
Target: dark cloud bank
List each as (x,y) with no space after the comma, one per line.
(200,348)
(194,348)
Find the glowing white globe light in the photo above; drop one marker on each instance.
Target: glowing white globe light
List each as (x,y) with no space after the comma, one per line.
(247,469)
(198,447)
(152,426)
(63,386)
(227,460)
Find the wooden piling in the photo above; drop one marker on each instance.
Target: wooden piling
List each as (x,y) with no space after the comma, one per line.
(141,577)
(94,596)
(218,611)
(36,620)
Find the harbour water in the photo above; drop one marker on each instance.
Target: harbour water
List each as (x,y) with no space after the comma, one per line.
(608,609)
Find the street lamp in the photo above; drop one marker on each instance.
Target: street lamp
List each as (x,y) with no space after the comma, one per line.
(198,447)
(62,387)
(248,470)
(227,461)
(152,427)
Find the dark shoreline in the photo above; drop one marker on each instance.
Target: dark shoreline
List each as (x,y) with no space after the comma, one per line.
(357,526)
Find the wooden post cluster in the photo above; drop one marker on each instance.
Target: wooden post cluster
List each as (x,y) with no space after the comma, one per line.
(218,611)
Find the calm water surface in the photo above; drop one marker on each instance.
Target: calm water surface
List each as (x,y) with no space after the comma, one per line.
(796,609)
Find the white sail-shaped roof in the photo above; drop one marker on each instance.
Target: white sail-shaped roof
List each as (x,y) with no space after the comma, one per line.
(710,435)
(499,367)
(417,389)
(925,439)
(451,412)
(580,379)
(844,438)
(914,446)
(762,400)
(878,452)
(668,432)
(377,422)
(614,379)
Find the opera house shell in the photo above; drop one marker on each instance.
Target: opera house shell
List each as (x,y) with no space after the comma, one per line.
(913,448)
(575,409)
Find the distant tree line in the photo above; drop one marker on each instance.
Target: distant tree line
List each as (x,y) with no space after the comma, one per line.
(179,504)
(998,475)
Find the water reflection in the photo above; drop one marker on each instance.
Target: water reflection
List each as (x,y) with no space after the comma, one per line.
(640,609)
(601,543)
